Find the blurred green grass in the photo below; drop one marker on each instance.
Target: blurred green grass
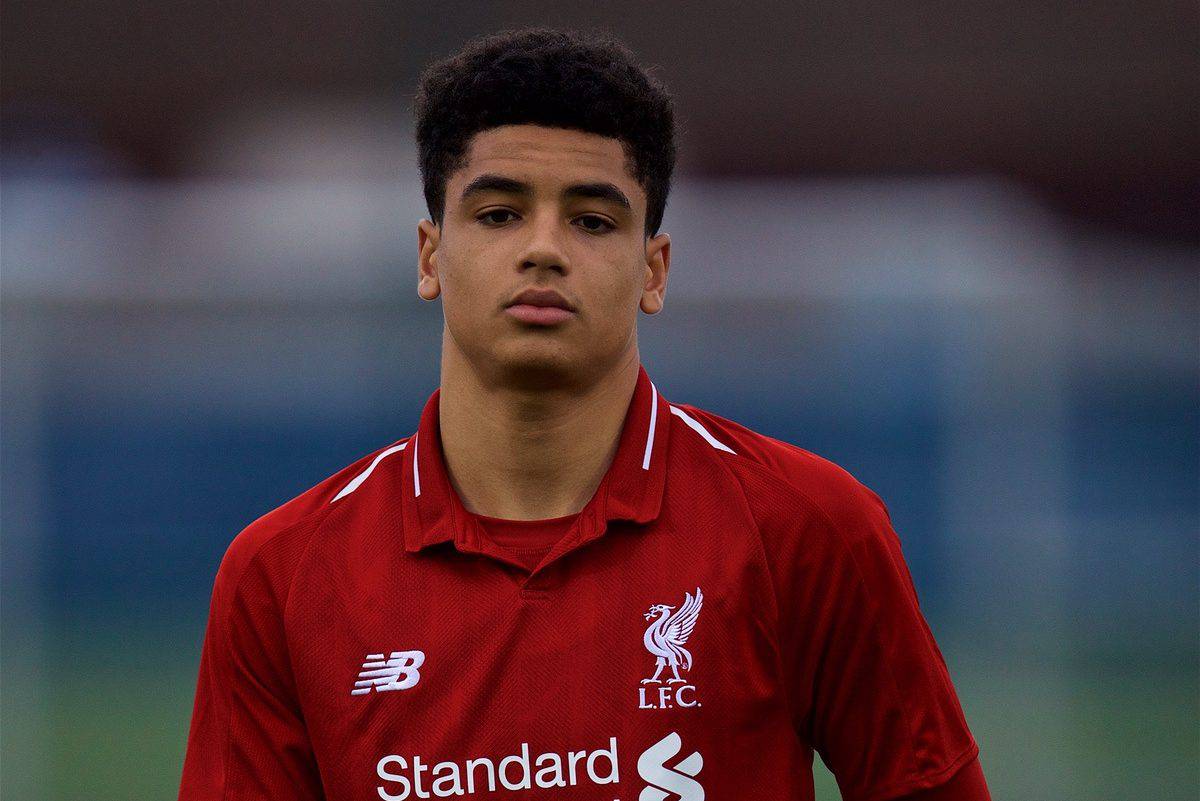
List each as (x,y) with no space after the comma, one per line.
(113,725)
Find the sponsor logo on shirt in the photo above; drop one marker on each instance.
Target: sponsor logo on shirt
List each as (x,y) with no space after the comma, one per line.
(665,638)
(398,671)
(405,778)
(670,782)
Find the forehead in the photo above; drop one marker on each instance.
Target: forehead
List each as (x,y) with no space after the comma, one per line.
(538,153)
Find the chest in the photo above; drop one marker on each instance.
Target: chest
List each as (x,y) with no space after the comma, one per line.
(447,657)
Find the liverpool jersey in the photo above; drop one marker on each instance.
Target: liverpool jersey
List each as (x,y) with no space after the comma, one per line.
(725,605)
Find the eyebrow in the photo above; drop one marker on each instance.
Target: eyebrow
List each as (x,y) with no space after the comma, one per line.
(490,182)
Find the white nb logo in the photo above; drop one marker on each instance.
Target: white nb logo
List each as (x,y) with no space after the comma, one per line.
(670,782)
(399,671)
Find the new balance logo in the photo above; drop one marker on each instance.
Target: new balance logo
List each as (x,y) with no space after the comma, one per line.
(399,671)
(670,782)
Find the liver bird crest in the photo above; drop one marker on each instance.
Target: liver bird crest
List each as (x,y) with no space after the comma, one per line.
(667,634)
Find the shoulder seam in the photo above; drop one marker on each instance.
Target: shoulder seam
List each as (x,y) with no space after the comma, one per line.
(762,551)
(783,479)
(234,594)
(846,545)
(315,516)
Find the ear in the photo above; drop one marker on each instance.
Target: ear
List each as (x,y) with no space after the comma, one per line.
(658,264)
(429,235)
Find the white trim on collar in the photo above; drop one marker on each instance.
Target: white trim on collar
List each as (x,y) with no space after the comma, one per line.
(416,472)
(651,431)
(701,430)
(361,477)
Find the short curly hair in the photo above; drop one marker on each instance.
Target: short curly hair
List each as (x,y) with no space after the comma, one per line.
(558,78)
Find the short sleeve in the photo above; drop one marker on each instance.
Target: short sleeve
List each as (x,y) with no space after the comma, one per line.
(247,739)
(880,707)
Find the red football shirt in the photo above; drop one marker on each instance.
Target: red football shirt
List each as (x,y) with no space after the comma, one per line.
(528,540)
(725,604)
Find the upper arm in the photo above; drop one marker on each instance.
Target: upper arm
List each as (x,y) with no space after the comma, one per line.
(879,705)
(248,738)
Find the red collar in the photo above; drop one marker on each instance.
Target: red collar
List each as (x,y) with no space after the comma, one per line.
(632,489)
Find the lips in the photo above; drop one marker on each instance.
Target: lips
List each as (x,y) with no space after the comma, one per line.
(540,307)
(543,298)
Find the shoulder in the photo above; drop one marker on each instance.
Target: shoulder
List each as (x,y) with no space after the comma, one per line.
(783,480)
(280,535)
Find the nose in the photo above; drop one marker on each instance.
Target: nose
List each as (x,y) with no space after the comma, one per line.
(544,248)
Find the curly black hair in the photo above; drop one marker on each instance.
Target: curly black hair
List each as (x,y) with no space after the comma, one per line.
(586,81)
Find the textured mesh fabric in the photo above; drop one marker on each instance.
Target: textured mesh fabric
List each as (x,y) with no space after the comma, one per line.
(967,784)
(526,540)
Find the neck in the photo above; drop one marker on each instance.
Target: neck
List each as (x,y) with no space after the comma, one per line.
(530,450)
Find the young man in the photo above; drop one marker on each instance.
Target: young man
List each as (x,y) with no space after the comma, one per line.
(563,585)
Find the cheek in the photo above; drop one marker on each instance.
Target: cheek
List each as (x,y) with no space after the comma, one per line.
(463,283)
(623,288)
(460,295)
(616,301)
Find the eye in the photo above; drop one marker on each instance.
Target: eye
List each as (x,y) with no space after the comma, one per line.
(489,216)
(604,225)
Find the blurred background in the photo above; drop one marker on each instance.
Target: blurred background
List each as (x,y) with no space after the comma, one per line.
(951,246)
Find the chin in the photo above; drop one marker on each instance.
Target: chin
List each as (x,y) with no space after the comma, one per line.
(539,367)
